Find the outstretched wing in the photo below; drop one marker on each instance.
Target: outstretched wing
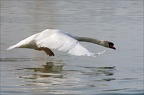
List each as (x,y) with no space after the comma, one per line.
(56,39)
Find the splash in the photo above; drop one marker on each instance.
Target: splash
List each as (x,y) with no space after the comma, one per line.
(98,53)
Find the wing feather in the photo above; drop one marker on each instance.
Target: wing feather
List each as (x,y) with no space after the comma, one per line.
(56,39)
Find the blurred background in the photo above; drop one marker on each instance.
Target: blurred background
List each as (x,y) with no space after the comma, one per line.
(30,72)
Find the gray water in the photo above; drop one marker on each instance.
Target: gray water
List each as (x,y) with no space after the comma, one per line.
(115,72)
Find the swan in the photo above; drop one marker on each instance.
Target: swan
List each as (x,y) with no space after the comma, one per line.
(57,39)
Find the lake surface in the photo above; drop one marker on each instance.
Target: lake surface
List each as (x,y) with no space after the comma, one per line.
(115,72)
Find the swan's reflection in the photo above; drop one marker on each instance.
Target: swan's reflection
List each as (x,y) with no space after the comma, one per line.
(55,70)
(57,74)
(49,69)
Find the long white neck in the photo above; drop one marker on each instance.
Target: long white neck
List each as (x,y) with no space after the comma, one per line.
(91,40)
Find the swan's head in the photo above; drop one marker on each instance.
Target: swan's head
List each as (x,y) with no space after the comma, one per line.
(109,44)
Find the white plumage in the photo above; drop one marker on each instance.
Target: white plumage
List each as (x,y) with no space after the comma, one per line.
(53,39)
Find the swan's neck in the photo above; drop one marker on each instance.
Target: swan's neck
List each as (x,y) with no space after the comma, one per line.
(91,40)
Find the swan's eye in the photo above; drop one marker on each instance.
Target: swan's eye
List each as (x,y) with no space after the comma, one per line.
(111,45)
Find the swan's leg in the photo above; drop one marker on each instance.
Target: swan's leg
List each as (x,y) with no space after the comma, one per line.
(47,50)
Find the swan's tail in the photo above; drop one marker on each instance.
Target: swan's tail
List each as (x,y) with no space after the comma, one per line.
(26,43)
(11,47)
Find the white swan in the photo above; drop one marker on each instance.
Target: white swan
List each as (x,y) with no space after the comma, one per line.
(56,39)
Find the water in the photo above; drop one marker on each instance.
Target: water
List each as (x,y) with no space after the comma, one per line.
(30,72)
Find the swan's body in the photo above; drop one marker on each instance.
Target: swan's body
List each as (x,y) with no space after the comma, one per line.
(56,39)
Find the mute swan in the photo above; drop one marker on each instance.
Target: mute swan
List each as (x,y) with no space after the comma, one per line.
(56,39)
